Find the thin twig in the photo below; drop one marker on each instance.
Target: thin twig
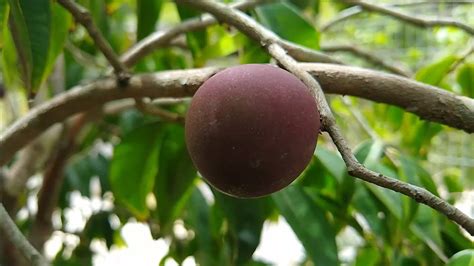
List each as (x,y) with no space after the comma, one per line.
(119,106)
(462,57)
(81,57)
(268,40)
(83,16)
(355,10)
(369,56)
(16,237)
(148,108)
(420,22)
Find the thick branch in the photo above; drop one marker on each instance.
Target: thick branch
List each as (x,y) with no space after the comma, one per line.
(427,102)
(420,22)
(84,18)
(268,40)
(414,97)
(369,56)
(12,232)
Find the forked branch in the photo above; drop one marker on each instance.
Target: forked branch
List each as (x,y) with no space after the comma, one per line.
(271,42)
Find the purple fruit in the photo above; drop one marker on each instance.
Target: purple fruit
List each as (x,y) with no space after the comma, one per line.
(252,129)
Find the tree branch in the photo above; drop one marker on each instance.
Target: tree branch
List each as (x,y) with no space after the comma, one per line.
(119,106)
(15,236)
(268,40)
(420,22)
(445,107)
(355,10)
(370,57)
(83,16)
(151,109)
(163,38)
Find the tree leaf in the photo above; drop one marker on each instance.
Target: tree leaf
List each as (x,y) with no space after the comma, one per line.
(3,18)
(16,50)
(367,256)
(38,31)
(196,40)
(175,177)
(246,218)
(197,217)
(60,22)
(462,258)
(286,21)
(98,226)
(134,166)
(465,79)
(80,172)
(434,73)
(148,13)
(332,162)
(309,223)
(36,18)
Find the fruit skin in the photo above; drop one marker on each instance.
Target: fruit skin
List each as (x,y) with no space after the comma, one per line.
(252,129)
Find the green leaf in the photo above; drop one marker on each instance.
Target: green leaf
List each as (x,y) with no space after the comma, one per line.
(13,72)
(198,218)
(98,226)
(246,218)
(225,44)
(367,256)
(332,162)
(35,16)
(38,31)
(453,238)
(287,22)
(3,18)
(434,73)
(462,258)
(309,223)
(370,154)
(148,12)
(16,55)
(134,166)
(60,22)
(465,79)
(175,177)
(251,51)
(370,210)
(196,40)
(80,172)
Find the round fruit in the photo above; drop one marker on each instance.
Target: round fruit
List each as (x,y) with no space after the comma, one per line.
(252,129)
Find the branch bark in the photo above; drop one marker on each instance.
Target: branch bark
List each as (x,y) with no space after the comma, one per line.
(15,236)
(445,107)
(269,40)
(420,22)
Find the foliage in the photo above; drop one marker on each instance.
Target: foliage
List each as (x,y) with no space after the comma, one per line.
(149,176)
